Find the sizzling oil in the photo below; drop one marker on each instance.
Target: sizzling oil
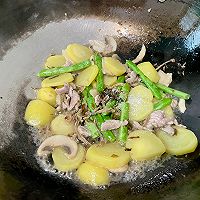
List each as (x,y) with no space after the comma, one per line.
(136,169)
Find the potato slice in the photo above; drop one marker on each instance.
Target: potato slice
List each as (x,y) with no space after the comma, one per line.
(183,142)
(169,112)
(141,91)
(144,145)
(113,67)
(86,76)
(94,84)
(140,101)
(60,86)
(139,109)
(39,113)
(58,80)
(77,53)
(48,95)
(62,126)
(109,80)
(148,69)
(55,61)
(62,163)
(109,155)
(93,175)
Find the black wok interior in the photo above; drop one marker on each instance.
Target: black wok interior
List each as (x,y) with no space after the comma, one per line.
(32,29)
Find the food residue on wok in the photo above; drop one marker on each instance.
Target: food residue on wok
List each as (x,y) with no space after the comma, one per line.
(103,115)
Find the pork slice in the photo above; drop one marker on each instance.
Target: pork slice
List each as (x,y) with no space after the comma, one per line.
(75,98)
(157,119)
(83,131)
(113,124)
(168,129)
(63,90)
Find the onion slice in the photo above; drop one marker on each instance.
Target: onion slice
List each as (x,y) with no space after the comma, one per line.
(140,55)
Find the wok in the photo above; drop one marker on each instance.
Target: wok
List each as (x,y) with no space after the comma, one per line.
(32,29)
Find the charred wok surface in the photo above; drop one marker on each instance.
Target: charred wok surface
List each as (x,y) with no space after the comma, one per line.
(128,20)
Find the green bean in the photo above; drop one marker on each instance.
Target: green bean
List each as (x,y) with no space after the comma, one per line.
(111,103)
(100,83)
(123,131)
(173,92)
(93,129)
(154,89)
(125,91)
(61,70)
(106,117)
(88,98)
(98,118)
(121,79)
(85,95)
(108,135)
(162,104)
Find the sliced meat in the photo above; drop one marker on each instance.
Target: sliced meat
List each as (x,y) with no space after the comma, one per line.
(97,99)
(83,131)
(112,124)
(165,78)
(131,77)
(59,101)
(71,100)
(64,89)
(67,97)
(157,119)
(138,126)
(168,129)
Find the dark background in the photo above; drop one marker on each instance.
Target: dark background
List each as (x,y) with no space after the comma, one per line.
(170,30)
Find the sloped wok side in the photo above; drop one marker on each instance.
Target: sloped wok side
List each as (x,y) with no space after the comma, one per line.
(31,30)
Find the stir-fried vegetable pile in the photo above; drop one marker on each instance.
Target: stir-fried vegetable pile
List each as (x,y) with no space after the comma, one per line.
(97,114)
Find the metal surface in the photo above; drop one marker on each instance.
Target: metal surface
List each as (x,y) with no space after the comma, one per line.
(31,30)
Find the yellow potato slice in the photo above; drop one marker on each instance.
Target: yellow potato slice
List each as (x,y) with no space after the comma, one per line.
(39,113)
(109,80)
(77,53)
(94,84)
(62,163)
(144,145)
(62,126)
(55,61)
(183,142)
(48,95)
(60,86)
(141,91)
(87,76)
(109,155)
(113,67)
(168,112)
(58,80)
(139,109)
(140,101)
(93,175)
(148,69)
